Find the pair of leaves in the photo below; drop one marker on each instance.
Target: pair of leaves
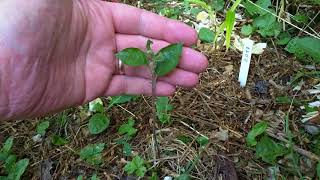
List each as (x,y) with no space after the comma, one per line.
(15,169)
(128,128)
(163,109)
(42,127)
(302,47)
(136,166)
(98,123)
(165,60)
(92,153)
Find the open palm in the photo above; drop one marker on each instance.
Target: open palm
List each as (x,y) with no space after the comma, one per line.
(59,54)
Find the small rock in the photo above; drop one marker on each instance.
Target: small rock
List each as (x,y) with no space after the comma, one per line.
(313,130)
(261,87)
(37,138)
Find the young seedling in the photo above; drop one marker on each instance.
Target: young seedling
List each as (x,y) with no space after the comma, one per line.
(160,64)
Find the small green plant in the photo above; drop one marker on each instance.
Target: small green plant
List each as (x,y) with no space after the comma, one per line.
(266,148)
(92,153)
(136,166)
(13,168)
(128,128)
(42,127)
(228,23)
(98,123)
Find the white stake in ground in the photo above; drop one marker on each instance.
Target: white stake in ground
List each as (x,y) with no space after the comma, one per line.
(245,62)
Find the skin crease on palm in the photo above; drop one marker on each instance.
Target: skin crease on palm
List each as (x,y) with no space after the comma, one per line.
(60,54)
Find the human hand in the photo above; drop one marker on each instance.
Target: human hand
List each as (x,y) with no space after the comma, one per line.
(59,54)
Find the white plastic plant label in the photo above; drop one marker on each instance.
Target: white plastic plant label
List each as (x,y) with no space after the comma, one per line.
(245,62)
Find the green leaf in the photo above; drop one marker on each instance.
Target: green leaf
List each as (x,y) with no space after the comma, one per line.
(163,109)
(311,47)
(206,35)
(167,59)
(184,177)
(284,38)
(288,100)
(98,123)
(185,139)
(132,57)
(203,140)
(42,127)
(58,141)
(230,19)
(257,130)
(269,150)
(272,31)
(318,170)
(217,5)
(264,22)
(246,30)
(136,166)
(115,100)
(92,153)
(80,177)
(7,145)
(127,149)
(128,128)
(96,106)
(293,47)
(10,163)
(19,169)
(301,18)
(254,10)
(95,177)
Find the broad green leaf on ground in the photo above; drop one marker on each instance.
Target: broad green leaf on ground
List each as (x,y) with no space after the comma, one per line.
(206,35)
(301,18)
(128,128)
(202,140)
(283,38)
(94,177)
(302,47)
(96,105)
(247,30)
(288,100)
(98,123)
(268,150)
(127,149)
(136,166)
(254,10)
(58,141)
(163,109)
(185,139)
(80,177)
(132,57)
(183,177)
(18,170)
(230,19)
(10,163)
(217,5)
(92,153)
(264,21)
(42,127)
(7,145)
(167,59)
(257,130)
(115,100)
(5,150)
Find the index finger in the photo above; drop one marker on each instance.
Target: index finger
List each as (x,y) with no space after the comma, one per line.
(135,21)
